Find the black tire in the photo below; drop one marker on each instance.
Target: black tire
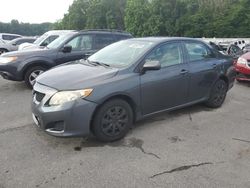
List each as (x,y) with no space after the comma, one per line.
(2,51)
(28,75)
(112,121)
(218,94)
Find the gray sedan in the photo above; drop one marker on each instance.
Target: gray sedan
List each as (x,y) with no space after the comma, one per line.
(127,81)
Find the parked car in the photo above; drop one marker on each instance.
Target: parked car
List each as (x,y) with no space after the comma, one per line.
(243,68)
(234,51)
(228,48)
(240,43)
(218,47)
(246,48)
(13,45)
(127,81)
(43,40)
(8,36)
(28,64)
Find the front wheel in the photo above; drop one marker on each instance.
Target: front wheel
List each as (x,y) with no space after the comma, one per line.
(218,94)
(112,120)
(31,75)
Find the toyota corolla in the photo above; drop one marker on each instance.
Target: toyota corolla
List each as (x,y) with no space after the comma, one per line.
(127,81)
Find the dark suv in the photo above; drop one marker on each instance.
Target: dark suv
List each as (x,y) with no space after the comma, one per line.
(75,45)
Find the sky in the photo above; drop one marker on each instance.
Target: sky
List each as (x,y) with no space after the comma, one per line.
(33,11)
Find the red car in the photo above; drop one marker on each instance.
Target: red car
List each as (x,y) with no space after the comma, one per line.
(242,67)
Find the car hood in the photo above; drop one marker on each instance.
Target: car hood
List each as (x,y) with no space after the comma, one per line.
(29,53)
(75,76)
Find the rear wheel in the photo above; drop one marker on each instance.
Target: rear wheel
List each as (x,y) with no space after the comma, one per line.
(112,121)
(2,51)
(218,94)
(31,75)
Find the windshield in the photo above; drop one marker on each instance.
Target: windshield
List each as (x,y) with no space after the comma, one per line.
(121,54)
(57,42)
(41,39)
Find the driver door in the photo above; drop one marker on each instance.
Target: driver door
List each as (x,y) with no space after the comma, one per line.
(168,87)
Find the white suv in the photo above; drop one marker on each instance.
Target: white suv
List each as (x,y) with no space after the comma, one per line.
(43,40)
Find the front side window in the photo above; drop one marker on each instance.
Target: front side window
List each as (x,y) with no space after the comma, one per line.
(167,54)
(80,43)
(197,51)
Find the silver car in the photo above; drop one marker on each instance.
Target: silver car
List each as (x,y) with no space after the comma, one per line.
(14,44)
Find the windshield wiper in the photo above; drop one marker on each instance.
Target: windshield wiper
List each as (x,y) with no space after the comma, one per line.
(97,63)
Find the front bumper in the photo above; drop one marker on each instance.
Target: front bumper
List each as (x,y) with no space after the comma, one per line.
(10,71)
(243,72)
(68,120)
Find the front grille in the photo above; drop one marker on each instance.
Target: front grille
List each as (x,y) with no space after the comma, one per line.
(39,96)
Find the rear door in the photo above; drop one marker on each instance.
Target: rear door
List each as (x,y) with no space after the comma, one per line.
(82,47)
(203,69)
(168,87)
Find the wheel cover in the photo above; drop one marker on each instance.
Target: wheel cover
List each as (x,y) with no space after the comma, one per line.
(34,75)
(220,92)
(114,121)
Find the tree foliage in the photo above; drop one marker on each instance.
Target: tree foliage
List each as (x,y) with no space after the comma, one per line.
(94,14)
(192,18)
(25,28)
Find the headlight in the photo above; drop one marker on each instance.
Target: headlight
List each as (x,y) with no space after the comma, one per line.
(242,61)
(5,60)
(66,96)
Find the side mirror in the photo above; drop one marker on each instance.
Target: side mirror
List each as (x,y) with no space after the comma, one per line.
(151,65)
(14,44)
(67,49)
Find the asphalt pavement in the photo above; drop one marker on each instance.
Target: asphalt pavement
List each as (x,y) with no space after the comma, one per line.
(192,147)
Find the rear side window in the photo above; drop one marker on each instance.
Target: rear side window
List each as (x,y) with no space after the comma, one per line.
(103,40)
(9,37)
(197,51)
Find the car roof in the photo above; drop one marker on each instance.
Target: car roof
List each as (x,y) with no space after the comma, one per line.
(17,39)
(157,40)
(10,34)
(106,31)
(59,32)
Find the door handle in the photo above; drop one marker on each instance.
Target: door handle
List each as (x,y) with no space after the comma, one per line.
(184,71)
